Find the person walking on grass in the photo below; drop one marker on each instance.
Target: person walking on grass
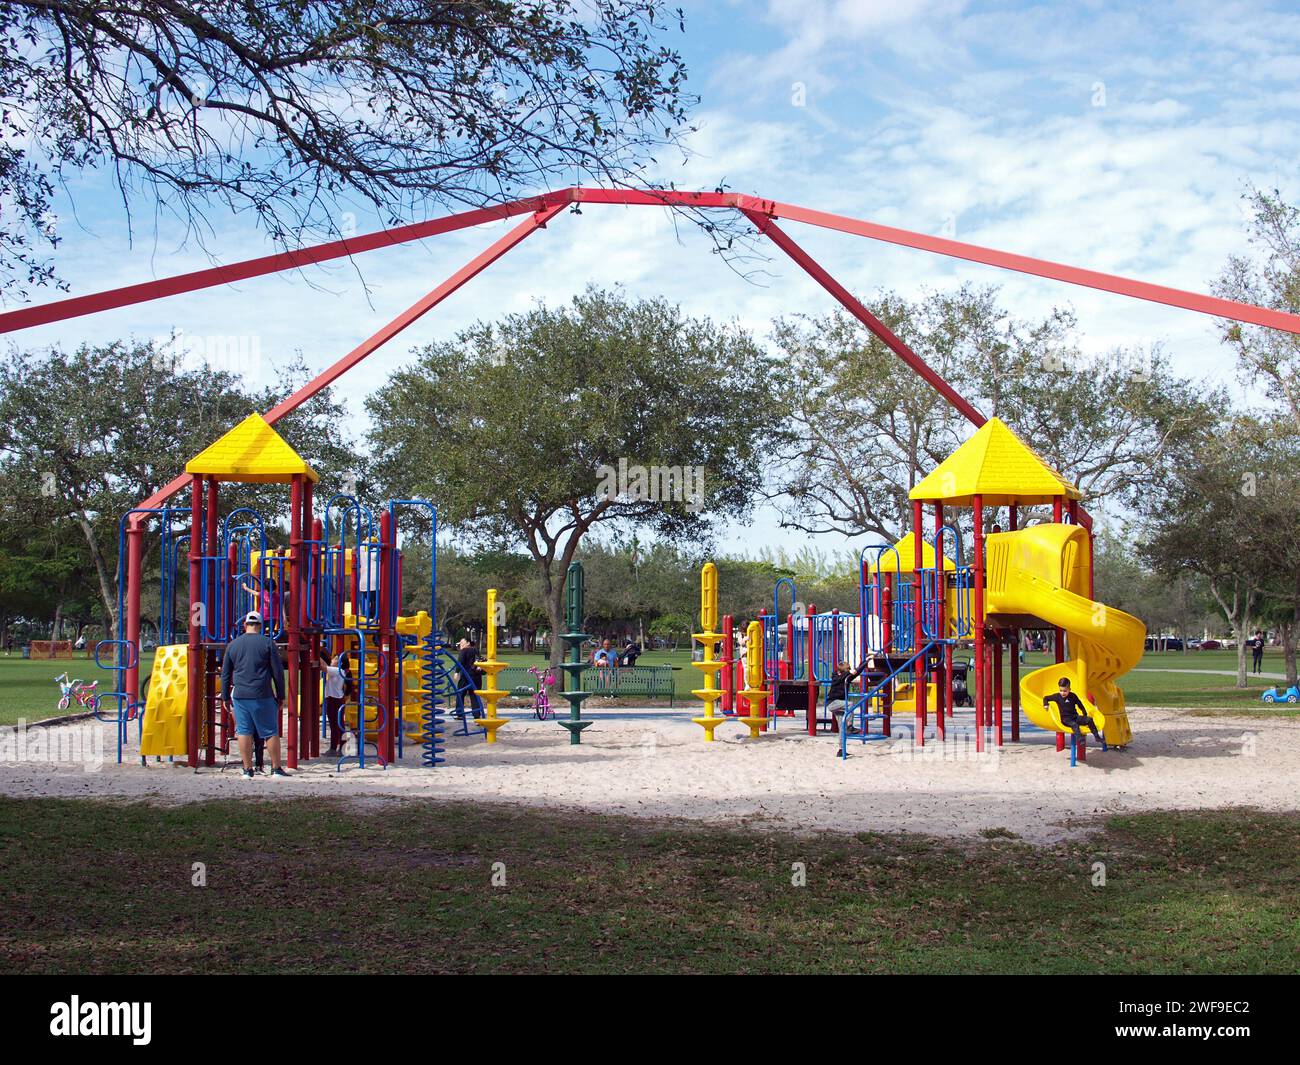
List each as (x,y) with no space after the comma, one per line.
(252,685)
(1257,652)
(1071,709)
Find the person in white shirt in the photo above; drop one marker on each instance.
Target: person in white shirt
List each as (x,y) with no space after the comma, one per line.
(338,684)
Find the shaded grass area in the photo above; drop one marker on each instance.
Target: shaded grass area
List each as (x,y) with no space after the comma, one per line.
(312,886)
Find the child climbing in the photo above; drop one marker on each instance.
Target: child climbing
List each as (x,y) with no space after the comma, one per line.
(837,693)
(338,684)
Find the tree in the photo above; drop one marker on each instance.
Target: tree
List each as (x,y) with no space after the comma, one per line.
(298,112)
(867,427)
(1210,518)
(95,431)
(1269,357)
(544,426)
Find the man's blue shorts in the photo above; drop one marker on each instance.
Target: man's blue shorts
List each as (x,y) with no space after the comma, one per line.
(256,717)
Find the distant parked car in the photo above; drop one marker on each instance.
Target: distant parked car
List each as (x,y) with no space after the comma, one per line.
(1193,644)
(1211,645)
(1164,643)
(1273,695)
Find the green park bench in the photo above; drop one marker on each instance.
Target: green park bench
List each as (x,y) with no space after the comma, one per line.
(622,682)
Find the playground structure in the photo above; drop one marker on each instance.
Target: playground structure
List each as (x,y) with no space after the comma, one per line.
(920,597)
(537,213)
(336,587)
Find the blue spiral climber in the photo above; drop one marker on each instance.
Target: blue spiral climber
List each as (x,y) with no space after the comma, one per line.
(437,683)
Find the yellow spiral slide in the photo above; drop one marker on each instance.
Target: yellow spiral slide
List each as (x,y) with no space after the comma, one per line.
(1038,578)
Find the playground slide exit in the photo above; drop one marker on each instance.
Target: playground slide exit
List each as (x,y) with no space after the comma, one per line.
(1042,571)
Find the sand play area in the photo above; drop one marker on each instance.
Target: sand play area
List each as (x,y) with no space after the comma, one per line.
(653,763)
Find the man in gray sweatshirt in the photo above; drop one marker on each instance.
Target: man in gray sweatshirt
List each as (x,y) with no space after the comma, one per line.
(252,684)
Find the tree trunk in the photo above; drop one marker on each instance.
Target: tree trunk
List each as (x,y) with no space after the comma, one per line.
(1287,630)
(106,590)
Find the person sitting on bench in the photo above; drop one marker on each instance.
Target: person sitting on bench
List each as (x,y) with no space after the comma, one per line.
(837,693)
(1071,709)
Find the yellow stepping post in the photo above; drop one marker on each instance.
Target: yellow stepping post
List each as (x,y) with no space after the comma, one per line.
(709,666)
(491,695)
(754,692)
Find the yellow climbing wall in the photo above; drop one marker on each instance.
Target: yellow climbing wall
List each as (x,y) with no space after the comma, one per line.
(164,712)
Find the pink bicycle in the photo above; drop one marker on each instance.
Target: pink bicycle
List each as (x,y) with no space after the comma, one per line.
(76,691)
(542,697)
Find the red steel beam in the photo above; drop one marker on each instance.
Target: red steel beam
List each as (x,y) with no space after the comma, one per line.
(1024,264)
(93,303)
(779,237)
(416,311)
(60,310)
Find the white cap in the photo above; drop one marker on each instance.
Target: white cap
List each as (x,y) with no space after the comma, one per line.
(252,618)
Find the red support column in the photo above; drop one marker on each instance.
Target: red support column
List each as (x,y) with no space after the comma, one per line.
(887,642)
(1058,635)
(1013,523)
(997,685)
(387,650)
(134,567)
(315,604)
(194,667)
(943,675)
(728,661)
(919,675)
(208,655)
(293,637)
(308,717)
(812,671)
(978,622)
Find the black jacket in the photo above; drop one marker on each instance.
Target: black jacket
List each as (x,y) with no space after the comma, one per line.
(1071,708)
(466,658)
(251,669)
(840,683)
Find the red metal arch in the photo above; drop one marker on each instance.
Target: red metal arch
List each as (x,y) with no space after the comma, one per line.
(542,209)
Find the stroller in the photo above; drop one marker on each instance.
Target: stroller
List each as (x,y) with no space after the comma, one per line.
(960,693)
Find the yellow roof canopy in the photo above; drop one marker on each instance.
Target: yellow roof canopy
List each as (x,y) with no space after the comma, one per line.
(251,452)
(905,560)
(997,465)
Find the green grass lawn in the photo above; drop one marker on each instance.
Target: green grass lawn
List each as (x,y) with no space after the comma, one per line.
(106,887)
(27,688)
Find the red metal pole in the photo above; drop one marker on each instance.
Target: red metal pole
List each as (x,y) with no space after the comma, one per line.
(812,670)
(134,577)
(757,209)
(294,648)
(728,661)
(943,676)
(308,662)
(997,685)
(412,314)
(194,667)
(919,673)
(1013,523)
(1058,635)
(314,598)
(855,308)
(386,649)
(210,715)
(978,504)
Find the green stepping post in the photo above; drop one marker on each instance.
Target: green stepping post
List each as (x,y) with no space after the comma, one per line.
(575,594)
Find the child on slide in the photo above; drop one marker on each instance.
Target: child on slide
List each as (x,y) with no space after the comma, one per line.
(1072,712)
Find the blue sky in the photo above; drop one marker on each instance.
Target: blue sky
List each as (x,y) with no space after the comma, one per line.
(1114,136)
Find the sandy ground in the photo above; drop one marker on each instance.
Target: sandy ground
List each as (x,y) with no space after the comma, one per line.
(654,763)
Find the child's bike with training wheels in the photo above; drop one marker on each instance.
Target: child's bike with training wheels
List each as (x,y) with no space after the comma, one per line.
(542,697)
(76,691)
